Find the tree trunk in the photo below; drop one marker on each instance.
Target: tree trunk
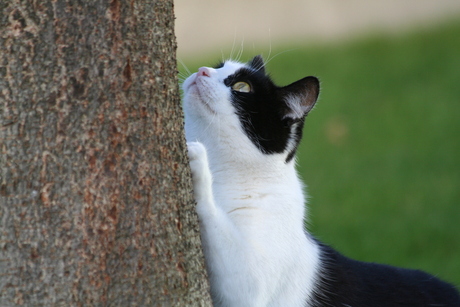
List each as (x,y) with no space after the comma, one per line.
(95,193)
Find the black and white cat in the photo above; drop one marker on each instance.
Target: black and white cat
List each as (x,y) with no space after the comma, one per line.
(243,132)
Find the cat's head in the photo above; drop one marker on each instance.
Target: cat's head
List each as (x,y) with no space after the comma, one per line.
(236,106)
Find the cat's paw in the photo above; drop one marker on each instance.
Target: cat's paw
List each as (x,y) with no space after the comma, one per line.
(201,175)
(196,151)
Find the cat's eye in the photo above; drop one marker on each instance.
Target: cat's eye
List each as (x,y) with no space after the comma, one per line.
(242,87)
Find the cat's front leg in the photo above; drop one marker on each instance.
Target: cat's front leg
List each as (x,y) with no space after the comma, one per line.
(224,248)
(202,179)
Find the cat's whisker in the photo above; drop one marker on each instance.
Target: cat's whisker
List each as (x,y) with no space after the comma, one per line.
(185,67)
(278,54)
(223,56)
(182,78)
(240,52)
(270,44)
(233,45)
(183,75)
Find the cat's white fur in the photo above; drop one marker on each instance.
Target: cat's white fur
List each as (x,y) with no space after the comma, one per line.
(250,204)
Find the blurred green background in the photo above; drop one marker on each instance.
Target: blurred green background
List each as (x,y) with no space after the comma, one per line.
(381,150)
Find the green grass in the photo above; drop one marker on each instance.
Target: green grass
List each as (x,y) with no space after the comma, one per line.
(381,151)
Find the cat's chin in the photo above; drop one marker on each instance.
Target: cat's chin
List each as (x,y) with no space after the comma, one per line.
(193,95)
(189,85)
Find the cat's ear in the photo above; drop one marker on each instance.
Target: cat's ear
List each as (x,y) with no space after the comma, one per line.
(257,63)
(300,97)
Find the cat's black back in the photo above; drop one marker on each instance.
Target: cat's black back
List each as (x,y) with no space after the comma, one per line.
(347,282)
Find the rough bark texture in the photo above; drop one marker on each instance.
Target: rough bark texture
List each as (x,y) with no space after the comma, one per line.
(95,193)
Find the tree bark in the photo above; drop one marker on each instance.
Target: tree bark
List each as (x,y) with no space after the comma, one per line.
(95,193)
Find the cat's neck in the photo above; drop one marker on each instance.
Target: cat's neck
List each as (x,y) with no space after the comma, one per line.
(269,190)
(256,181)
(226,169)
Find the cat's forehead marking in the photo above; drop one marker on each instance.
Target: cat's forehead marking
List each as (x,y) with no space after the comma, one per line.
(229,68)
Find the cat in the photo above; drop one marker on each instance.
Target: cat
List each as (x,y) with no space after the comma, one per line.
(242,134)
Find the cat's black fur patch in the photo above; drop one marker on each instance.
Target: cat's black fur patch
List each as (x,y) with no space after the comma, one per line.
(257,63)
(262,111)
(347,282)
(219,65)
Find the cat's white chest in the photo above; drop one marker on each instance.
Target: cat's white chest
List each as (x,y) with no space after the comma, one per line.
(256,250)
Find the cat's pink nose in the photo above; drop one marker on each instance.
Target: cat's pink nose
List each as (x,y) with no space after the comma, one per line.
(204,71)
